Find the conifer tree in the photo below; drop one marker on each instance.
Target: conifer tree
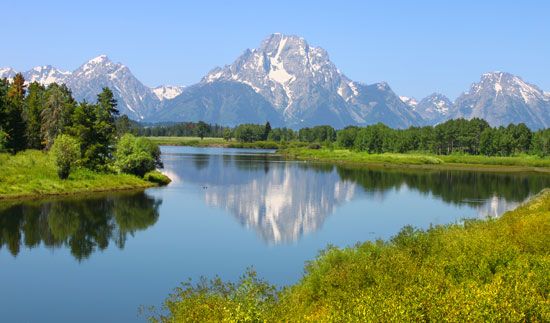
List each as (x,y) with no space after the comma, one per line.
(15,124)
(33,109)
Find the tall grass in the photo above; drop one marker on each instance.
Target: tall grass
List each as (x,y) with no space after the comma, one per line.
(495,270)
(32,173)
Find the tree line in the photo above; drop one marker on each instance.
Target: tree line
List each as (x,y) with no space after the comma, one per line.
(77,133)
(475,137)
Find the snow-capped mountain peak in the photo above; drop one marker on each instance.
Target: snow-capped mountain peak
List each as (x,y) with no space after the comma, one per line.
(300,81)
(7,72)
(410,101)
(166,92)
(46,75)
(502,98)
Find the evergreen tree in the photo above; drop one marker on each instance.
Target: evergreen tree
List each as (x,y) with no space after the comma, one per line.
(104,126)
(267,130)
(33,108)
(15,124)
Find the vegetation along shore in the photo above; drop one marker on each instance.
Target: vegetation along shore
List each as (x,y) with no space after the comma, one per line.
(479,270)
(52,145)
(465,144)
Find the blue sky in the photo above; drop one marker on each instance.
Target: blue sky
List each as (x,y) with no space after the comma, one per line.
(418,47)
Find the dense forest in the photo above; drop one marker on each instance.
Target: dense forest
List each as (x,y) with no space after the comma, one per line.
(82,134)
(475,137)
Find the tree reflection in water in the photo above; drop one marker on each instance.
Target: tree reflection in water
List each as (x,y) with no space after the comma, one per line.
(82,224)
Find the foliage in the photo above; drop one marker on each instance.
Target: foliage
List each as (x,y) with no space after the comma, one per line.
(66,152)
(249,300)
(57,112)
(202,129)
(227,134)
(523,162)
(3,141)
(541,143)
(494,270)
(33,173)
(137,155)
(249,132)
(157,177)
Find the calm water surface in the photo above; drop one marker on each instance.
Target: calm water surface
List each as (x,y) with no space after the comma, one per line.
(96,259)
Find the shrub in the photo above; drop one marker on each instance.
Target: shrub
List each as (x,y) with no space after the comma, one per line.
(3,141)
(66,151)
(314,145)
(157,177)
(137,156)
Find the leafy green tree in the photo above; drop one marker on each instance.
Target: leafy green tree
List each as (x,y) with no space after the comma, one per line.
(249,132)
(202,129)
(346,137)
(541,143)
(227,134)
(66,151)
(136,155)
(57,113)
(124,125)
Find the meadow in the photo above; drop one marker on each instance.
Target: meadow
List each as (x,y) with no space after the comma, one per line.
(32,173)
(421,160)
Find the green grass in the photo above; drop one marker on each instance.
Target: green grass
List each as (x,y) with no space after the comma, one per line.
(157,177)
(190,141)
(519,163)
(220,142)
(32,174)
(479,270)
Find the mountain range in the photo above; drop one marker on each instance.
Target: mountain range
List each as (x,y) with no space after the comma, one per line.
(291,83)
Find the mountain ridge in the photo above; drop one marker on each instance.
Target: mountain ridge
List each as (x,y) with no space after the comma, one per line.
(296,84)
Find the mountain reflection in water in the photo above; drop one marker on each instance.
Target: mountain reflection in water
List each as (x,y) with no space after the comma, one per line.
(284,200)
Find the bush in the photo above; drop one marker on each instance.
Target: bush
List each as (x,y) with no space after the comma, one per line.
(137,156)
(157,177)
(314,145)
(3,141)
(66,151)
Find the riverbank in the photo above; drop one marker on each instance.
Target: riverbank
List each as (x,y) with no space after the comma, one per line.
(221,143)
(479,270)
(32,174)
(421,161)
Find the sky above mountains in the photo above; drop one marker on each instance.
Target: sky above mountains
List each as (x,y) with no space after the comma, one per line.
(416,46)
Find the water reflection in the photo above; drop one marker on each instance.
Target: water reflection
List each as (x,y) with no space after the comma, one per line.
(83,225)
(282,200)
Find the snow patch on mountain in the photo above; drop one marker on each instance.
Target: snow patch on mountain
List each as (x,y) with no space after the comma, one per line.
(166,92)
(409,101)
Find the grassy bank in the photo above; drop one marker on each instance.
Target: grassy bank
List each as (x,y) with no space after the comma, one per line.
(220,142)
(32,174)
(481,270)
(520,163)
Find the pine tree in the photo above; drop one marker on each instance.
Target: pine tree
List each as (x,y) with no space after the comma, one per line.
(104,129)
(15,123)
(33,109)
(267,130)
